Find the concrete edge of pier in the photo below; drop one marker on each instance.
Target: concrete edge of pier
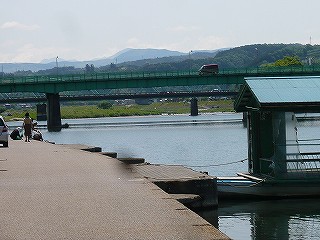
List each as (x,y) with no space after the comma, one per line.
(51,191)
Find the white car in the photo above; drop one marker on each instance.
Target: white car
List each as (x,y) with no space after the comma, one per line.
(4,132)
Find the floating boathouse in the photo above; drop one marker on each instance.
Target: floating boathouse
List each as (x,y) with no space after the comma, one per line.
(283,159)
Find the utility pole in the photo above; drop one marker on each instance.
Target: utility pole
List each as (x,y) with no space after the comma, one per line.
(190,61)
(57,66)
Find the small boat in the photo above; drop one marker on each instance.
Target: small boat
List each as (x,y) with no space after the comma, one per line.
(245,186)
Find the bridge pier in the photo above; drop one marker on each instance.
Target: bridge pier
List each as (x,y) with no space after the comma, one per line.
(53,112)
(194,107)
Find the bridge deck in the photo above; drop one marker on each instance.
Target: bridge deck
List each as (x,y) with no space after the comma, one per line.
(78,82)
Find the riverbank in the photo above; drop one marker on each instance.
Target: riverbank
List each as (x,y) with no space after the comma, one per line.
(90,110)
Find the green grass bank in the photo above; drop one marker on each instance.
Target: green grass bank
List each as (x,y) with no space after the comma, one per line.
(93,111)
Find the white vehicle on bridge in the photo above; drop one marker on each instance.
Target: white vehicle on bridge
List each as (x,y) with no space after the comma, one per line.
(4,132)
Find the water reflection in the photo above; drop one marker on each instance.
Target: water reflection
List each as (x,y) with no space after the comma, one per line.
(273,219)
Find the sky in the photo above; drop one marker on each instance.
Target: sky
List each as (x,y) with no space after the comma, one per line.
(33,30)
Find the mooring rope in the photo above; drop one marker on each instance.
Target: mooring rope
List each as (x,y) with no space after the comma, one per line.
(217,165)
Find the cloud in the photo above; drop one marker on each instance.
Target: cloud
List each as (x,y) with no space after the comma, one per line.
(211,42)
(133,41)
(183,29)
(137,43)
(19,26)
(31,53)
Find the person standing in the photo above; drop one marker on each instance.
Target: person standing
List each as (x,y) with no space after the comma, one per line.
(27,125)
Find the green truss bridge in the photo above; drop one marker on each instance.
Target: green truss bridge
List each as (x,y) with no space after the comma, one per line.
(52,85)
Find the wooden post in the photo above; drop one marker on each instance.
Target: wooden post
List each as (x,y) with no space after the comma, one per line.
(194,107)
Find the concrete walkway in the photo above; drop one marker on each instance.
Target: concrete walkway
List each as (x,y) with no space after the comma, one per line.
(50,191)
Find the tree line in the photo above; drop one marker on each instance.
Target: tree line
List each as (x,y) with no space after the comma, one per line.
(254,55)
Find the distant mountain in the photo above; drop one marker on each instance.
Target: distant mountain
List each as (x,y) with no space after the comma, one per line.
(126,55)
(129,55)
(247,56)
(180,57)
(139,54)
(149,60)
(53,60)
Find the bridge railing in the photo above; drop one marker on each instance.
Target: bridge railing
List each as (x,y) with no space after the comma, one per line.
(94,76)
(271,70)
(140,75)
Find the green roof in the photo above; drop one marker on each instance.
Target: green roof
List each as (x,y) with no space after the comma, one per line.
(279,94)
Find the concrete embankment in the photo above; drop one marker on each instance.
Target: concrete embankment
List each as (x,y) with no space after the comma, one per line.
(53,191)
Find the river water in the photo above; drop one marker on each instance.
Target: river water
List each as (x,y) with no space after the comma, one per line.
(214,143)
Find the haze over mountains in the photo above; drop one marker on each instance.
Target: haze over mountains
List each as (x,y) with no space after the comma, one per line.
(125,55)
(155,60)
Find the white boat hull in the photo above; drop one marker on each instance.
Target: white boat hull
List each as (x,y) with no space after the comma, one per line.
(243,188)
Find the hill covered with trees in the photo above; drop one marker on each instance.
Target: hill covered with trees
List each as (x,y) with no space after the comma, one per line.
(239,57)
(261,54)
